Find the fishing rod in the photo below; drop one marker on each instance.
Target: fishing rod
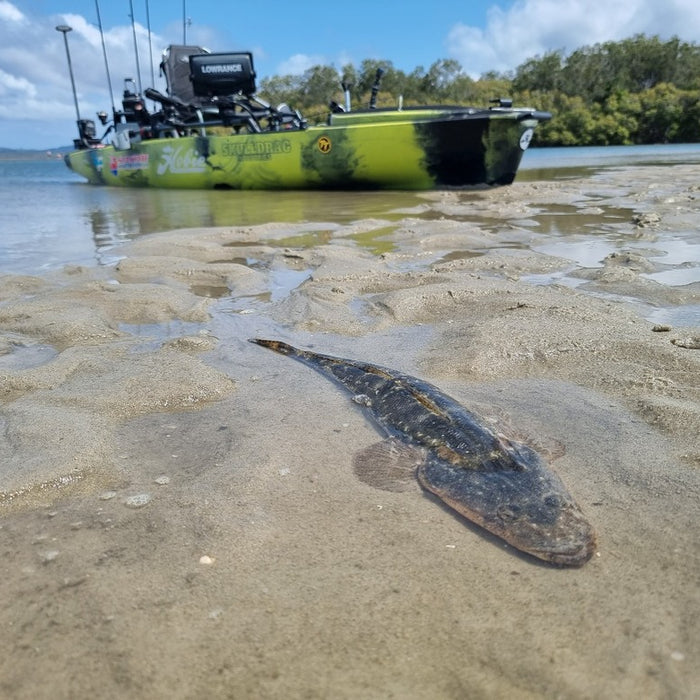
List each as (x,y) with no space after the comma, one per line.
(104,54)
(186,22)
(375,88)
(150,44)
(136,46)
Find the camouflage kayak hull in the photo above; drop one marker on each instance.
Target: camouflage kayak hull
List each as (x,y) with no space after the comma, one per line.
(381,149)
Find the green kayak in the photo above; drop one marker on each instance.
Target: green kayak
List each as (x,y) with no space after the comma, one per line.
(214,133)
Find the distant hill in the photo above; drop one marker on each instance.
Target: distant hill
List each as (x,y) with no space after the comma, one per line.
(33,154)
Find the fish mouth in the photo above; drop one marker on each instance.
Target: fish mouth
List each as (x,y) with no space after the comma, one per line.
(568,556)
(570,544)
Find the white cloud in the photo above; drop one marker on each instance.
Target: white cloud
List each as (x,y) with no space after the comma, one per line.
(9,13)
(298,63)
(12,85)
(533,27)
(34,79)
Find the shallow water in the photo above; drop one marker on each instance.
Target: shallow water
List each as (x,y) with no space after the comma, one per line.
(50,217)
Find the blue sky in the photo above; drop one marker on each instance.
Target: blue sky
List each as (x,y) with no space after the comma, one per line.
(36,105)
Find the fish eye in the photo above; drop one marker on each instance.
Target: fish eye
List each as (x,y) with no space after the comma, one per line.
(553,500)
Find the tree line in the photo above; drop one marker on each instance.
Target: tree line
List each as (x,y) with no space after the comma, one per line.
(639,90)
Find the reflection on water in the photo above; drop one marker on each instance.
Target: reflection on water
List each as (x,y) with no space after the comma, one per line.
(570,219)
(49,217)
(145,211)
(308,239)
(375,241)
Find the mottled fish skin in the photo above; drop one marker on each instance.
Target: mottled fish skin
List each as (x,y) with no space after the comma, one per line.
(501,485)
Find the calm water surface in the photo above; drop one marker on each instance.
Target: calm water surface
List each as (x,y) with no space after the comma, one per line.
(50,217)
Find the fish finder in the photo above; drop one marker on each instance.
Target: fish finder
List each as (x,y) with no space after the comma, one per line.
(222,74)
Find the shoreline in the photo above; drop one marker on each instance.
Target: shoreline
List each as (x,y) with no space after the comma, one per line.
(191,501)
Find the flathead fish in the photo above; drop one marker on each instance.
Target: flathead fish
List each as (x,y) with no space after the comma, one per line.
(500,484)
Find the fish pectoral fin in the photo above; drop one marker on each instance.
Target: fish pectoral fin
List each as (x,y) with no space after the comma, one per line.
(390,465)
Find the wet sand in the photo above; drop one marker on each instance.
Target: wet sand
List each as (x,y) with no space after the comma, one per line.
(180,515)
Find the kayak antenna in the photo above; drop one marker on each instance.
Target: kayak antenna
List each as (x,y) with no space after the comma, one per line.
(64,29)
(86,127)
(375,88)
(136,46)
(104,53)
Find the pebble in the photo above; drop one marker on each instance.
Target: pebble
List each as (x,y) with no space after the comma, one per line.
(207,560)
(137,501)
(107,495)
(190,343)
(650,218)
(691,343)
(677,655)
(162,480)
(46,557)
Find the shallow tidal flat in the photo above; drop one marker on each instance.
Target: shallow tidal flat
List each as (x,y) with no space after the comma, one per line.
(180,511)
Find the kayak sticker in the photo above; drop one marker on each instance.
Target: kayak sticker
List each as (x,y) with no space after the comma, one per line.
(526,138)
(333,167)
(96,159)
(183,159)
(135,161)
(254,149)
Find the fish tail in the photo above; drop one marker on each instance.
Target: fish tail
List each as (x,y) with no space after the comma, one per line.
(276,345)
(326,364)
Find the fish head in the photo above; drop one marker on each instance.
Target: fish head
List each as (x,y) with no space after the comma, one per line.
(549,526)
(528,507)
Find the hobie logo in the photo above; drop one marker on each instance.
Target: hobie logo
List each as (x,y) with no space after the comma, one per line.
(181,160)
